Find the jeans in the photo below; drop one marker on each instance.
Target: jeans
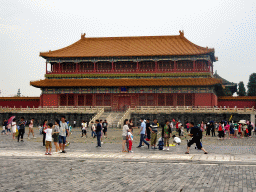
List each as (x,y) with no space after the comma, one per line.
(142,140)
(21,133)
(93,134)
(98,138)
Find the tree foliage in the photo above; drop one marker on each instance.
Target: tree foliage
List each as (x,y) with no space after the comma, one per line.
(241,89)
(252,85)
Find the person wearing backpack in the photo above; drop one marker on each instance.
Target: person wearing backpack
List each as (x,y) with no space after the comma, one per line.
(196,134)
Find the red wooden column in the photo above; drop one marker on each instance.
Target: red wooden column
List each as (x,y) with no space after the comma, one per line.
(175,66)
(76,67)
(94,67)
(209,66)
(156,67)
(46,67)
(194,65)
(112,66)
(137,68)
(59,68)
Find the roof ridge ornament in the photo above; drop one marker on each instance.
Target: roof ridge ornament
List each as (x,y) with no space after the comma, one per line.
(83,35)
(181,33)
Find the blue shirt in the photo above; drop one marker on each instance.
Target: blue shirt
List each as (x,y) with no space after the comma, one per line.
(143,127)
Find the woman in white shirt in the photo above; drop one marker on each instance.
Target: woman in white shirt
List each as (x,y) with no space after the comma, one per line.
(14,126)
(124,134)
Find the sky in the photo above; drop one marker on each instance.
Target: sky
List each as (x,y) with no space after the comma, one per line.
(28,27)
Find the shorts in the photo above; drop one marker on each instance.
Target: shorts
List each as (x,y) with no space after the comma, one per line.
(83,131)
(124,138)
(196,141)
(105,130)
(62,139)
(31,130)
(48,144)
(55,137)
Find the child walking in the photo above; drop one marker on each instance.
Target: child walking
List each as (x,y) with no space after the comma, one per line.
(48,139)
(130,139)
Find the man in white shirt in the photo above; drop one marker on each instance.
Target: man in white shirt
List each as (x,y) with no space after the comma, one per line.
(142,133)
(176,140)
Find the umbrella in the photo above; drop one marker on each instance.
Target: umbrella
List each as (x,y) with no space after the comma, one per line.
(11,119)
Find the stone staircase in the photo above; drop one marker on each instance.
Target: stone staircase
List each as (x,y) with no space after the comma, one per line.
(112,118)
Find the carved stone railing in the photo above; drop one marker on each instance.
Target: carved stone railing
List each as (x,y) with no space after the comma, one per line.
(62,109)
(127,115)
(189,109)
(97,116)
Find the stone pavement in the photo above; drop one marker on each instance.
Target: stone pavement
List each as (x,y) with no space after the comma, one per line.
(229,166)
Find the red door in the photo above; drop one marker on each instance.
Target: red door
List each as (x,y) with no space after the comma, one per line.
(124,102)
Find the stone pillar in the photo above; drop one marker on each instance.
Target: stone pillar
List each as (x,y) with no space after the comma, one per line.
(253,118)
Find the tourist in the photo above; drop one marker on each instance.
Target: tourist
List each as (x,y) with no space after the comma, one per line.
(74,123)
(166,132)
(154,128)
(14,127)
(55,135)
(130,139)
(196,134)
(30,128)
(98,133)
(44,127)
(227,130)
(187,126)
(22,125)
(93,129)
(8,130)
(232,131)
(142,133)
(208,129)
(240,130)
(101,122)
(176,140)
(212,128)
(105,127)
(202,126)
(245,128)
(48,138)
(250,128)
(84,125)
(148,130)
(63,134)
(221,130)
(235,129)
(179,129)
(131,125)
(125,134)
(4,127)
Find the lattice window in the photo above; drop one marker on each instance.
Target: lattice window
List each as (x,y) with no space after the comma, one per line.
(107,100)
(80,100)
(188,100)
(88,100)
(142,100)
(180,99)
(99,100)
(151,100)
(71,100)
(161,100)
(63,100)
(169,100)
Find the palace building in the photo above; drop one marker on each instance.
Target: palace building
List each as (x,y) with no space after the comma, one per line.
(122,72)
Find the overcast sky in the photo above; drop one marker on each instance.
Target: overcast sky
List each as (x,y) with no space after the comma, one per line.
(28,27)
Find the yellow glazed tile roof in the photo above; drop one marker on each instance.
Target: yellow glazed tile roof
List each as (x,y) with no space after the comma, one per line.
(129,46)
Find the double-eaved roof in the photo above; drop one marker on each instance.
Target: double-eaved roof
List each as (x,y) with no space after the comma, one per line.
(175,45)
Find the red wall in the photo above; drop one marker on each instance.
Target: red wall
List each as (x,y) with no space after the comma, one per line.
(20,103)
(49,100)
(237,103)
(205,99)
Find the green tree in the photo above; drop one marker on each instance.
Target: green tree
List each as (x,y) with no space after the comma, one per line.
(18,93)
(241,89)
(252,85)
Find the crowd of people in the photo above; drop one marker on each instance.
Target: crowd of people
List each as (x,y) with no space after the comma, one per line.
(148,132)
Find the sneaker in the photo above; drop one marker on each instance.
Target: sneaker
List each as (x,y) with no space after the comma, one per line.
(164,149)
(49,153)
(28,138)
(101,143)
(22,141)
(63,152)
(138,146)
(130,151)
(34,137)
(168,149)
(46,153)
